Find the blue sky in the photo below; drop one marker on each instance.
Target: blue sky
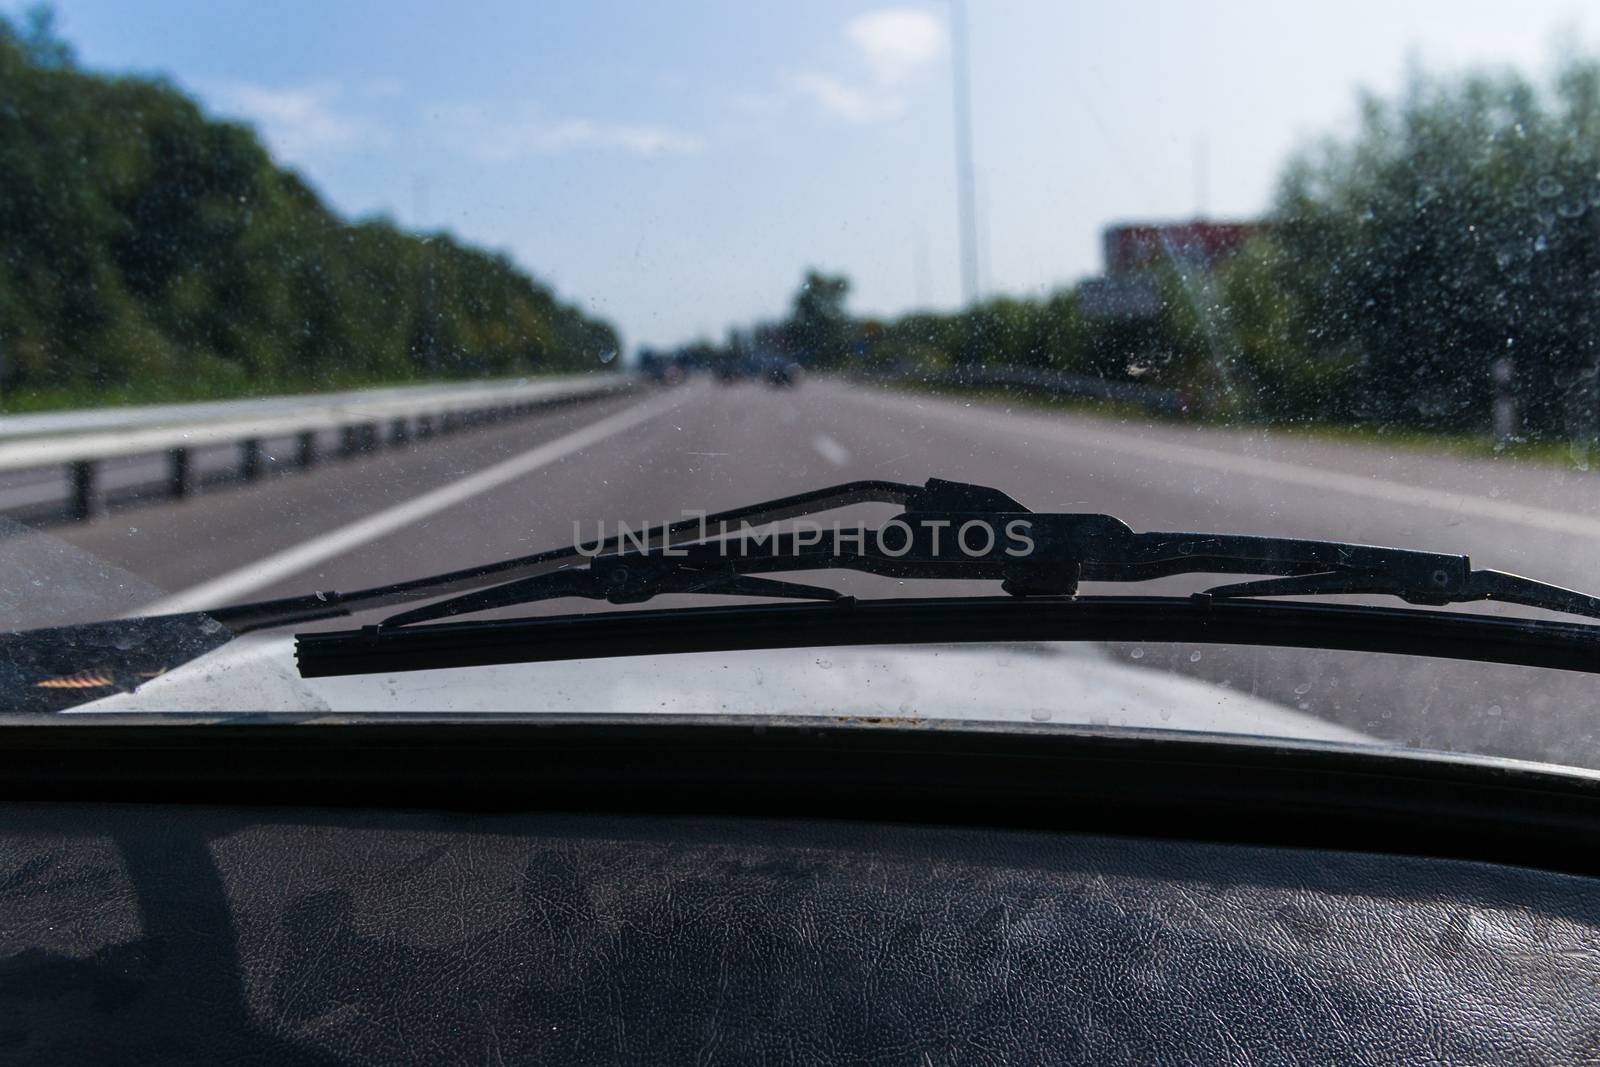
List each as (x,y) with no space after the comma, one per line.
(675,166)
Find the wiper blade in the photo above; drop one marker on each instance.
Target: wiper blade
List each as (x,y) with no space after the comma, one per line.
(957,531)
(1479,585)
(953,620)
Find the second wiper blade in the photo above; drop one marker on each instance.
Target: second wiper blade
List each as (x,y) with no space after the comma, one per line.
(957,531)
(953,620)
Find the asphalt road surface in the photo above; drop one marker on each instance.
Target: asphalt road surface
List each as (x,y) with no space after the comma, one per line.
(517,487)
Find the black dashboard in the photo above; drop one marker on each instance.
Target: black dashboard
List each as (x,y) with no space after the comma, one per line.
(511,897)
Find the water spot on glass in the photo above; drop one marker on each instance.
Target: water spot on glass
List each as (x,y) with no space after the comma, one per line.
(1137,653)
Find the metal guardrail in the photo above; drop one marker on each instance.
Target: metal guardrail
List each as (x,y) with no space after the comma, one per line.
(1050,382)
(81,441)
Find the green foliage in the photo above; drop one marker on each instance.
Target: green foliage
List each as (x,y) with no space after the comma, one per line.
(145,248)
(1049,333)
(818,331)
(1458,226)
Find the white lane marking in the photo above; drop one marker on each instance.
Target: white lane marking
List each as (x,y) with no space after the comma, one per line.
(830,450)
(228,587)
(1276,470)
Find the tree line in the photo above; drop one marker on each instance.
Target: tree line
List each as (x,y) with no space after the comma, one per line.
(1457,228)
(147,250)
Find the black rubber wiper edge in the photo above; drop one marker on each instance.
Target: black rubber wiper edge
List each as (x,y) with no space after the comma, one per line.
(955,620)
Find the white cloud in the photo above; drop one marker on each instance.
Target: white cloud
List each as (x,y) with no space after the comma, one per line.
(301,121)
(893,47)
(495,138)
(641,140)
(848,102)
(897,42)
(758,104)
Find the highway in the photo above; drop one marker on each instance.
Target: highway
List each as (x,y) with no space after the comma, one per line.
(518,487)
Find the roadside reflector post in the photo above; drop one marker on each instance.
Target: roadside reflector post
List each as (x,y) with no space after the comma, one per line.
(83,492)
(250,459)
(180,473)
(1502,372)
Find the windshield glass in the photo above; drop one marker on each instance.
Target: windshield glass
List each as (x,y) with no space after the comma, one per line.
(298,299)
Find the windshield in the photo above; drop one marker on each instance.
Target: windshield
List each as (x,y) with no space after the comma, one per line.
(298,299)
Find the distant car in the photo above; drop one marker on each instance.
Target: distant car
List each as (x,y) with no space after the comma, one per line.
(781,373)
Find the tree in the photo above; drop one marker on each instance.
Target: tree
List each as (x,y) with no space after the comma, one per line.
(819,328)
(1458,226)
(148,250)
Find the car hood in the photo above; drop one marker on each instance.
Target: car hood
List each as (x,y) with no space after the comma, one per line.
(1061,683)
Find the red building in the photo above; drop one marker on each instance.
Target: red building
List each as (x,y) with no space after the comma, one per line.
(1132,248)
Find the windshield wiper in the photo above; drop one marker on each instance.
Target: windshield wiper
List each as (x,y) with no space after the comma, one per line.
(946,530)
(56,667)
(244,618)
(962,532)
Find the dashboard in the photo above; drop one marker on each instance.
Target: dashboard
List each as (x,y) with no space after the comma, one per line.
(658,924)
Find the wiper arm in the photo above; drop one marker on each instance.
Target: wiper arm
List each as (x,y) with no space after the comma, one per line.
(327,604)
(1030,553)
(49,669)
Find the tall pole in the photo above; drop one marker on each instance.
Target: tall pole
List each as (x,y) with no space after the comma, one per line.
(965,211)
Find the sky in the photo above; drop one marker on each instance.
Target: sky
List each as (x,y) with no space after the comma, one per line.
(676,166)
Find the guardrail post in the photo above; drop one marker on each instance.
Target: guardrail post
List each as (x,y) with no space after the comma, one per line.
(349,440)
(305,449)
(83,496)
(250,459)
(424,426)
(399,431)
(180,473)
